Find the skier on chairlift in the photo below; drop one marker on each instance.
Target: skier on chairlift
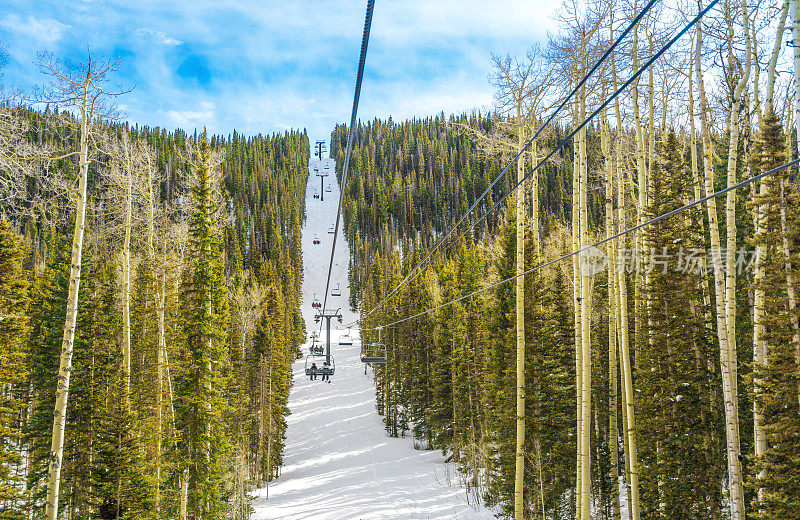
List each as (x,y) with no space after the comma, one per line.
(326,374)
(313,375)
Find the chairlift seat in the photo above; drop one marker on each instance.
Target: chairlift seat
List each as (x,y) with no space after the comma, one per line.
(320,370)
(368,359)
(336,291)
(374,353)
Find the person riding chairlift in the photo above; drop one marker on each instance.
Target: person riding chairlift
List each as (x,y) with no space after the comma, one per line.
(326,376)
(313,375)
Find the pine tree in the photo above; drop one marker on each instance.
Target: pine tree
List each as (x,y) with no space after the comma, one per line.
(201,402)
(14,330)
(671,369)
(118,473)
(45,346)
(778,376)
(501,377)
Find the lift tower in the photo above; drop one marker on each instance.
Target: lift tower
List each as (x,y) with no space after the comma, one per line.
(322,186)
(319,148)
(327,317)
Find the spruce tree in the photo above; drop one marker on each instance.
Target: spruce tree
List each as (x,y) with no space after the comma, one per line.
(201,401)
(501,377)
(673,356)
(45,345)
(777,397)
(14,330)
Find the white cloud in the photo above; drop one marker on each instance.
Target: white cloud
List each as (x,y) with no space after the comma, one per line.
(193,118)
(158,36)
(43,30)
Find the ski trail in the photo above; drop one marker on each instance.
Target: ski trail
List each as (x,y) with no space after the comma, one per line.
(339,463)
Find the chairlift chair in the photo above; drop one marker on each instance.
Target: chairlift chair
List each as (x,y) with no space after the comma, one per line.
(346,339)
(330,230)
(327,166)
(328,188)
(320,370)
(374,352)
(315,303)
(316,239)
(315,349)
(336,291)
(316,194)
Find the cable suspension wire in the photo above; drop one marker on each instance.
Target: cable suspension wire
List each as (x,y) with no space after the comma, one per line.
(525,148)
(603,241)
(599,109)
(351,134)
(415,272)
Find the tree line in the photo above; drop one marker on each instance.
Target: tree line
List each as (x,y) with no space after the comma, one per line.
(162,391)
(656,374)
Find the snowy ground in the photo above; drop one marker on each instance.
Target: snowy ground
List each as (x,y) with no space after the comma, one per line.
(339,464)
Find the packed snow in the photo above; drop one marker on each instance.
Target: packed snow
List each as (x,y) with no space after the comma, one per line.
(339,463)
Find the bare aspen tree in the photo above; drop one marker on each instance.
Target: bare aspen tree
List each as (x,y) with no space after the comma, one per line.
(129,178)
(571,50)
(734,449)
(19,160)
(626,376)
(728,383)
(576,300)
(85,88)
(608,159)
(22,162)
(521,89)
(641,173)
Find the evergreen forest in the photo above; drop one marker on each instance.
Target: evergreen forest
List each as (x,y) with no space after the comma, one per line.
(174,374)
(585,294)
(663,385)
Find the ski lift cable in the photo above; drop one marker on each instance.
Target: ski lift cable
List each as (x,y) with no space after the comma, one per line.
(552,116)
(592,115)
(601,242)
(351,134)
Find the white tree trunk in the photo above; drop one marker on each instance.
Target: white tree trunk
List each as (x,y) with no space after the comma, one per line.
(789,276)
(520,308)
(126,268)
(576,298)
(586,354)
(67,343)
(728,383)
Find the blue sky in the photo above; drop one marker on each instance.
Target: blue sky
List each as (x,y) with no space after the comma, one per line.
(265,66)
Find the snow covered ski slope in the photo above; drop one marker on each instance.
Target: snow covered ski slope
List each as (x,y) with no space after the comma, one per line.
(339,464)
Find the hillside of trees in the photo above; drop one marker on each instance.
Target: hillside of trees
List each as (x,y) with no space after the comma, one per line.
(175,369)
(674,369)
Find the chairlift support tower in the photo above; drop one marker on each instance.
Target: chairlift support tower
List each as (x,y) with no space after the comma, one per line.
(327,317)
(319,148)
(322,186)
